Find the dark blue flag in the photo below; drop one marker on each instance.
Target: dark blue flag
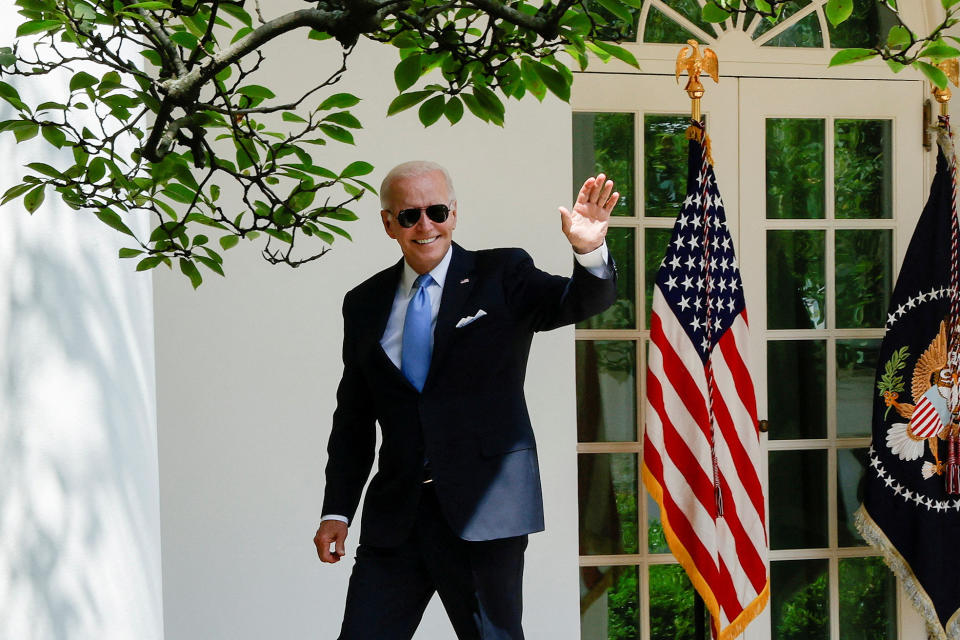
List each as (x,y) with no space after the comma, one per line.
(907,511)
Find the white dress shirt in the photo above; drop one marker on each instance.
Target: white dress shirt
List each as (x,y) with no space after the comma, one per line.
(392,341)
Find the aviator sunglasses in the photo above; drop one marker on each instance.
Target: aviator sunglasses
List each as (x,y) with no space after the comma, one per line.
(436,212)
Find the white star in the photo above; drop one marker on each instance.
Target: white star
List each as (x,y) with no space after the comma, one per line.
(874,461)
(921,297)
(671,283)
(733,284)
(731,306)
(940,506)
(956,505)
(700,284)
(688,200)
(725,264)
(901,310)
(907,494)
(722,285)
(696,201)
(705,344)
(697,304)
(675,263)
(691,262)
(716,243)
(684,303)
(696,323)
(929,503)
(733,263)
(911,303)
(918,499)
(716,222)
(699,181)
(891,318)
(687,283)
(678,243)
(898,489)
(717,201)
(683,219)
(713,264)
(889,481)
(726,243)
(692,243)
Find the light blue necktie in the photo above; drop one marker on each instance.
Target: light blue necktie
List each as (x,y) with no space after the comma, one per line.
(417,346)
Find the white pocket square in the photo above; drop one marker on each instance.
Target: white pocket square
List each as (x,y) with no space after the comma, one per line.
(465,321)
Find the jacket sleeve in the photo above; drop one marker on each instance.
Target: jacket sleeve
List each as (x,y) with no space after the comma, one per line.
(352,441)
(547,301)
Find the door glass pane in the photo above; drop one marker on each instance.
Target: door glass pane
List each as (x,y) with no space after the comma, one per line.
(611,27)
(623,313)
(609,603)
(606,391)
(864,277)
(856,370)
(796,280)
(850,467)
(655,247)
(863,169)
(664,164)
(866,27)
(608,503)
(796,389)
(798,499)
(795,168)
(660,28)
(656,540)
(798,600)
(788,10)
(604,143)
(671,604)
(868,605)
(806,33)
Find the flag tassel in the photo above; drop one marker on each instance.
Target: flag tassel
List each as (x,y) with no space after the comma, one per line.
(953,462)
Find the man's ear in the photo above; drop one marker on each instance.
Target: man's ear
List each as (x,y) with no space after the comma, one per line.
(453,214)
(385,216)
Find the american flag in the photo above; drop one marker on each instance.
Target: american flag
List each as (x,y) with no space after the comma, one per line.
(701,450)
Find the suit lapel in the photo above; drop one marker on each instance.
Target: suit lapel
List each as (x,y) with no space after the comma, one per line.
(456,290)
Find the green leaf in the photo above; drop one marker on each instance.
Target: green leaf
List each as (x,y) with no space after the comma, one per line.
(475,107)
(939,51)
(713,13)
(256,91)
(838,10)
(228,242)
(899,36)
(532,79)
(97,169)
(236,12)
(130,253)
(617,9)
(213,265)
(8,93)
(112,219)
(337,230)
(45,169)
(200,240)
(407,72)
(15,192)
(934,75)
(149,5)
(344,118)
(339,101)
(26,132)
(337,133)
(849,56)
(37,26)
(948,3)
(358,168)
(895,66)
(54,135)
(432,110)
(289,116)
(185,39)
(179,193)
(453,110)
(318,35)
(34,198)
(554,81)
(763,5)
(149,263)
(82,80)
(190,270)
(619,53)
(406,100)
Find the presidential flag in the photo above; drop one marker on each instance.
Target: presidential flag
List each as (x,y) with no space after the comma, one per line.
(911,506)
(701,449)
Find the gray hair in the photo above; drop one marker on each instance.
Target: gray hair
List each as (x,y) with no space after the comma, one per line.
(413,169)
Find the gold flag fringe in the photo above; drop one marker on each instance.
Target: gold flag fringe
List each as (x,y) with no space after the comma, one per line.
(911,586)
(700,135)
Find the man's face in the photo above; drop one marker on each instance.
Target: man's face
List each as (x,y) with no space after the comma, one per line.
(425,243)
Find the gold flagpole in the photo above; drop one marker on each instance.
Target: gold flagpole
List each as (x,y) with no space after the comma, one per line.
(951,68)
(695,64)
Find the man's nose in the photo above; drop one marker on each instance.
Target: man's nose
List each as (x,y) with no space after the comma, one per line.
(423,222)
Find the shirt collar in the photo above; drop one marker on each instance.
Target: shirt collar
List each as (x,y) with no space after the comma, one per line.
(438,273)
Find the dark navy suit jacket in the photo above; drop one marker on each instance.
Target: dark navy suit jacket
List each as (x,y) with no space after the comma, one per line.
(470,420)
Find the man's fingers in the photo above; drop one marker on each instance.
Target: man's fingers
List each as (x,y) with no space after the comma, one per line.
(611,203)
(340,549)
(585,190)
(565,219)
(334,533)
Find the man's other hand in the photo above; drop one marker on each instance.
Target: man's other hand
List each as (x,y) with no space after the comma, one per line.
(586,225)
(331,532)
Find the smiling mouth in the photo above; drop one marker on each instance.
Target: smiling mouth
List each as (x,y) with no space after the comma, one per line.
(426,240)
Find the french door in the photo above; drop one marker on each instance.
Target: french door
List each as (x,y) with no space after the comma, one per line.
(822,181)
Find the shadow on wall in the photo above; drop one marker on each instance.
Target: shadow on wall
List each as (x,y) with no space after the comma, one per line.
(79,501)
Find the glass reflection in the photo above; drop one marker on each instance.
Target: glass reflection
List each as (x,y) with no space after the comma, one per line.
(798,600)
(797,389)
(851,464)
(796,280)
(656,540)
(662,29)
(608,503)
(671,604)
(606,391)
(609,603)
(868,606)
(665,152)
(867,26)
(795,166)
(864,277)
(856,370)
(863,169)
(622,314)
(798,499)
(604,143)
(655,243)
(805,33)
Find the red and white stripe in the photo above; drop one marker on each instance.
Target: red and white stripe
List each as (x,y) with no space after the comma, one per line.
(925,421)
(724,555)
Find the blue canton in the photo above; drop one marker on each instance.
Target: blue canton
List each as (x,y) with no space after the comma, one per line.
(690,285)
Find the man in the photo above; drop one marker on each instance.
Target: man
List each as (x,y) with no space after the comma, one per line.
(435,350)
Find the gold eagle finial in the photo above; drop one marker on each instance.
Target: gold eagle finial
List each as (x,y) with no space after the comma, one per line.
(952,69)
(690,60)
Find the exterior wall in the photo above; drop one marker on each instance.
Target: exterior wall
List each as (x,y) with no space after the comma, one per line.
(247,369)
(79,495)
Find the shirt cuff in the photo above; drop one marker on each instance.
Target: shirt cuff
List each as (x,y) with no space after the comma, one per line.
(333,516)
(596,262)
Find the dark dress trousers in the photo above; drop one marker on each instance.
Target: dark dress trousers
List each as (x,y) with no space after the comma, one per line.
(470,422)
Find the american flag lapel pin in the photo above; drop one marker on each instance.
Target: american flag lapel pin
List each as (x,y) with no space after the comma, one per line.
(465,281)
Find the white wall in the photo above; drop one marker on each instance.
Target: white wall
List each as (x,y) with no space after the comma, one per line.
(247,369)
(79,503)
